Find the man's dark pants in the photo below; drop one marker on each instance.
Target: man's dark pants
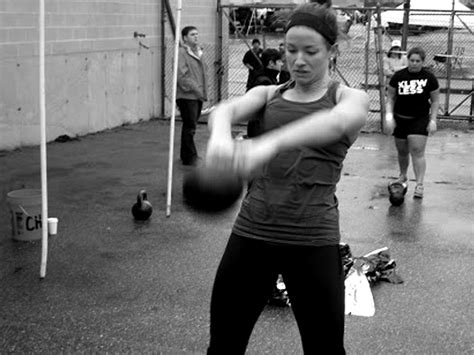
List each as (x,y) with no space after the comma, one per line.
(190,112)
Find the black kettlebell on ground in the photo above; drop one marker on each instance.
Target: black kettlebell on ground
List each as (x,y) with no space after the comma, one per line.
(142,209)
(397,191)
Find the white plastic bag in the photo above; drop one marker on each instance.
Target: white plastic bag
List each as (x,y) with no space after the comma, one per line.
(358,296)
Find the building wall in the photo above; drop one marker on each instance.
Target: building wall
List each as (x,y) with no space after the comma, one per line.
(98,76)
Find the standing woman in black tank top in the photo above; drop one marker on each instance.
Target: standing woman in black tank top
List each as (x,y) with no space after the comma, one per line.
(288,223)
(412,109)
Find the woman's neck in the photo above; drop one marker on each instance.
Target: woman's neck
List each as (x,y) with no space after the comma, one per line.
(311,91)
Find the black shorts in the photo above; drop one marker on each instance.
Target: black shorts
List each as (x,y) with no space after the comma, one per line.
(406,127)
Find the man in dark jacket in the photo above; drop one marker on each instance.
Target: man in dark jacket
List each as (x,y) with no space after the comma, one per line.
(252,61)
(284,73)
(191,91)
(268,75)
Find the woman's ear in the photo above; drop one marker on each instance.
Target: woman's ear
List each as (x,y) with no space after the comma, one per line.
(334,50)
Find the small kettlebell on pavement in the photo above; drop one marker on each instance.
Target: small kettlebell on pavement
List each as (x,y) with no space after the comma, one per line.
(142,209)
(397,191)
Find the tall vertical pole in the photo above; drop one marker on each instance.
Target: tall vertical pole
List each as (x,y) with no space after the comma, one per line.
(173,107)
(406,20)
(42,104)
(163,58)
(219,31)
(449,60)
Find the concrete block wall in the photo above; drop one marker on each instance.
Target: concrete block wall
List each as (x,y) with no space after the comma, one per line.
(98,76)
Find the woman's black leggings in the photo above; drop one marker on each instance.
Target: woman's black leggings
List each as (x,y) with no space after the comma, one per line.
(314,279)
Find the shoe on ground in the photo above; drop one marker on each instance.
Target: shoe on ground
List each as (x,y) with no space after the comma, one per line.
(418,191)
(193,162)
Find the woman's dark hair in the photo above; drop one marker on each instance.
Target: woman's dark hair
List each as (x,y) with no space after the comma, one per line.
(328,3)
(325,18)
(256,40)
(186,30)
(270,55)
(417,50)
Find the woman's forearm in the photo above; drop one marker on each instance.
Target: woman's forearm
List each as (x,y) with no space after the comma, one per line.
(434,111)
(390,99)
(220,122)
(434,106)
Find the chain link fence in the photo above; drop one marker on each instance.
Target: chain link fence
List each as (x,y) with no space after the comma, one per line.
(447,39)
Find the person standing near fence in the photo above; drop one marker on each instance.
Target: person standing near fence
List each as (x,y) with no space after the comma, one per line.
(395,60)
(271,61)
(412,108)
(284,73)
(288,222)
(253,62)
(191,91)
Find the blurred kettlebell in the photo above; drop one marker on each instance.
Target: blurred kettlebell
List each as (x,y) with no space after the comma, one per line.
(211,190)
(142,209)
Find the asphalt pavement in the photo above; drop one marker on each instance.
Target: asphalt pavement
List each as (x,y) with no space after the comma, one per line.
(114,285)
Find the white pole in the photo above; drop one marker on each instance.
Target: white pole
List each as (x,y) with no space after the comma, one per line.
(44,184)
(173,107)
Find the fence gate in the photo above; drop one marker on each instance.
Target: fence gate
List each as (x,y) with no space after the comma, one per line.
(448,41)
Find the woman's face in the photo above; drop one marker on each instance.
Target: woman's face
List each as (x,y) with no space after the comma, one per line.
(415,63)
(307,54)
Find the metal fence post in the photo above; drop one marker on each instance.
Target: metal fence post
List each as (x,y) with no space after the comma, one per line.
(379,56)
(218,62)
(449,61)
(472,103)
(406,22)
(367,48)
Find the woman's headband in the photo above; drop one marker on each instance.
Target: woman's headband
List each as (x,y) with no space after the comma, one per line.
(308,20)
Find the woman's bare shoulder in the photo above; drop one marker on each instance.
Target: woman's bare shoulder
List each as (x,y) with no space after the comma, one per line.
(346,92)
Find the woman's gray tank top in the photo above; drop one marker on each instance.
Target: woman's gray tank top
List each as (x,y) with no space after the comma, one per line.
(292,199)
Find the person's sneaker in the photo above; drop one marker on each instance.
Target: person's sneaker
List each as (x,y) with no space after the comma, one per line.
(418,191)
(196,161)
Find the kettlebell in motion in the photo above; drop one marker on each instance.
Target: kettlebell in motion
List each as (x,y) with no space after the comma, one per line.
(142,209)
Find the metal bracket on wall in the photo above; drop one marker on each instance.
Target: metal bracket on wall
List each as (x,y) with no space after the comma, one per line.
(141,35)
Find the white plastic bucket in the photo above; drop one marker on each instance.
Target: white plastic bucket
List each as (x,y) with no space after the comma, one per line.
(25,210)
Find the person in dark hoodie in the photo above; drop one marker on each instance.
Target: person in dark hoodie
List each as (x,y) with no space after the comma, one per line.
(268,75)
(253,62)
(271,62)
(284,73)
